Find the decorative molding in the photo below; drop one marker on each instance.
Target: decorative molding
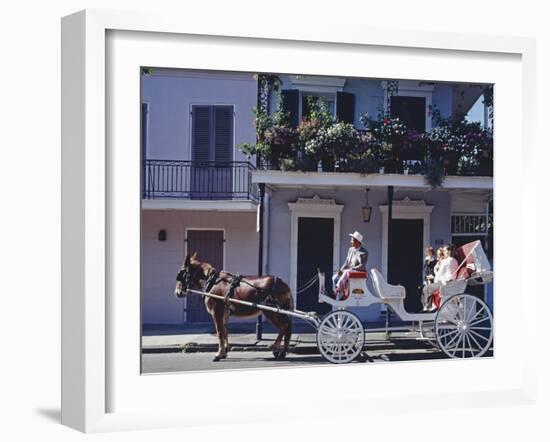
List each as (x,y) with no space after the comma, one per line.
(405,209)
(316,199)
(408,202)
(317,204)
(315,207)
(312,83)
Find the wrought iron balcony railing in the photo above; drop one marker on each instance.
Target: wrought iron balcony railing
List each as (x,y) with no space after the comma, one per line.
(211,180)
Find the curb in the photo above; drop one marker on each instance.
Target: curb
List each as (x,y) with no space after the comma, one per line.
(298,348)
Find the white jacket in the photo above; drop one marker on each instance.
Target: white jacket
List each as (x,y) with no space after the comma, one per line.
(446,270)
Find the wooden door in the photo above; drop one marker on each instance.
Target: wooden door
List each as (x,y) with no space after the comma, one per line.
(209,247)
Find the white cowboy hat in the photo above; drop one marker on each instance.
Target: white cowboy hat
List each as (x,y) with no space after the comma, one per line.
(357,236)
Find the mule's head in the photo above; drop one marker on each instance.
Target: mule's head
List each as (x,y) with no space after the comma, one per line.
(189,276)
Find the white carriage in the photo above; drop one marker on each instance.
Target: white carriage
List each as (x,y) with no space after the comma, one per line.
(462,327)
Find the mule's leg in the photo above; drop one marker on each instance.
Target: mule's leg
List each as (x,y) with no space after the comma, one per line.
(287,336)
(225,332)
(217,315)
(282,322)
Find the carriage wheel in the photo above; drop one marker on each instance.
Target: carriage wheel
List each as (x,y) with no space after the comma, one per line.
(464,327)
(340,337)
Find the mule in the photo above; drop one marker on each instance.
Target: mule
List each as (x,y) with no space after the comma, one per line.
(269,290)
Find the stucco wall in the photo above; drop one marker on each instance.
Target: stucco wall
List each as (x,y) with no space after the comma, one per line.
(369,96)
(170,94)
(351,220)
(161,260)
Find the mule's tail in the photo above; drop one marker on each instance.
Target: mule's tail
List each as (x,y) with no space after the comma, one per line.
(280,287)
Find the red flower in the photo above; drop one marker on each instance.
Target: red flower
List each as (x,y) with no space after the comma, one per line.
(386,121)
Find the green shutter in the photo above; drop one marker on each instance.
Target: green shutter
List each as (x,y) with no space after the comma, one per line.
(202,129)
(291,104)
(223,133)
(345,107)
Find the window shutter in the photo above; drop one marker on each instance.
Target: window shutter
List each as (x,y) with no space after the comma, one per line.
(223,144)
(201,133)
(345,107)
(410,110)
(291,104)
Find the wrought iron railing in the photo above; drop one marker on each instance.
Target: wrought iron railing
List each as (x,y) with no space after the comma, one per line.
(211,180)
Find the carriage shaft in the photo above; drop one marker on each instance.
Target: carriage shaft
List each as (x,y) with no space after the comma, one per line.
(295,313)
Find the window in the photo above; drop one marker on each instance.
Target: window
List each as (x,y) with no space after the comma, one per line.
(212,152)
(410,101)
(307,97)
(410,110)
(212,133)
(144,142)
(470,224)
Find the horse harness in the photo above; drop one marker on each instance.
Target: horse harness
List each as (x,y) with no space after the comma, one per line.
(234,282)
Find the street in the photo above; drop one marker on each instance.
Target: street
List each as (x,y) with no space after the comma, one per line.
(199,361)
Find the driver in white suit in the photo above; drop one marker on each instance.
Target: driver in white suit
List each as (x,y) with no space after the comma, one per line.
(356,260)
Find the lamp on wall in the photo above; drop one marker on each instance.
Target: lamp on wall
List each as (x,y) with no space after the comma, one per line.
(367,210)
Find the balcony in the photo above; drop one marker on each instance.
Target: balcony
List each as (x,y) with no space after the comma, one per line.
(198,181)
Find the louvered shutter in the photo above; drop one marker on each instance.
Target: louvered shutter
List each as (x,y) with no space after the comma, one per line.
(223,135)
(291,103)
(411,111)
(202,133)
(345,107)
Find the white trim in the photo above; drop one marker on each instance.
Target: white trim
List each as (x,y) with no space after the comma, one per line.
(210,205)
(404,209)
(321,84)
(186,251)
(330,180)
(312,208)
(408,88)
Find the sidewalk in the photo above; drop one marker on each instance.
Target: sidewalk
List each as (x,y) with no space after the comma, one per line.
(192,338)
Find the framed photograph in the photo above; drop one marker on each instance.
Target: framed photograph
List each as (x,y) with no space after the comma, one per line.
(265,208)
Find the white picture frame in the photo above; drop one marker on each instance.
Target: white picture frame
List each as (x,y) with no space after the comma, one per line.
(91,322)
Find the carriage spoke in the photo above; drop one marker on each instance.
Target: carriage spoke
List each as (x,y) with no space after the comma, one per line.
(481,336)
(469,316)
(486,318)
(340,337)
(470,345)
(451,341)
(479,346)
(453,331)
(456,346)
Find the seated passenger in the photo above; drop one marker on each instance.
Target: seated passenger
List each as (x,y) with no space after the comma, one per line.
(445,272)
(356,260)
(431,267)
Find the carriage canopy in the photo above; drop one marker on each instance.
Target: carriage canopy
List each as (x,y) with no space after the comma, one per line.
(473,255)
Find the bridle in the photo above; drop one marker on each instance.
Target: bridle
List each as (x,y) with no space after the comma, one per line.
(186,277)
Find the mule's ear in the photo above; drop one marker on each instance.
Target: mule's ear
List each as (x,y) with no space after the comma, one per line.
(187,260)
(194,257)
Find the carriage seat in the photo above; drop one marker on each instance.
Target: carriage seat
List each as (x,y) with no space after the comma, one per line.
(354,274)
(384,290)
